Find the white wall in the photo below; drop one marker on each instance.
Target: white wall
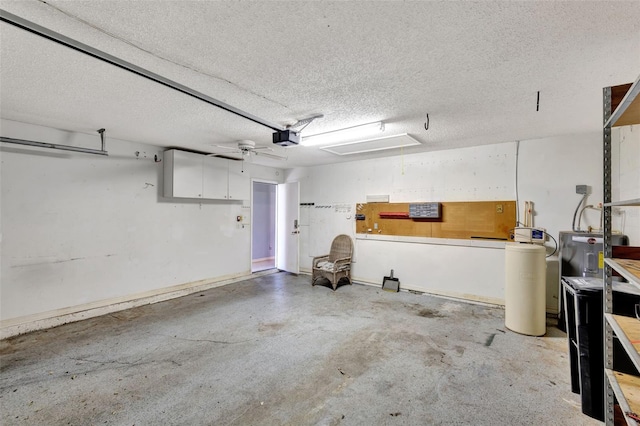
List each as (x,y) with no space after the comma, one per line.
(625,180)
(548,171)
(79,229)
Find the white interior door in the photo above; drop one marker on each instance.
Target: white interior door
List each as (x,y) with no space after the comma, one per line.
(288,231)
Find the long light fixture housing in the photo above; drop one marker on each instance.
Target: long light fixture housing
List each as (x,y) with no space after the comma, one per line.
(349,134)
(371,145)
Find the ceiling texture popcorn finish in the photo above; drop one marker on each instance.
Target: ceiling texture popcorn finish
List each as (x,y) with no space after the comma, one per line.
(475,68)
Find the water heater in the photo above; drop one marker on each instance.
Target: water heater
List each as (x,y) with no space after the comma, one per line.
(581,253)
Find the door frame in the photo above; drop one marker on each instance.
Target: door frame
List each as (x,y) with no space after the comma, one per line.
(270,182)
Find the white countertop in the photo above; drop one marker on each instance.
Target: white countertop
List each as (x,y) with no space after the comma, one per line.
(495,244)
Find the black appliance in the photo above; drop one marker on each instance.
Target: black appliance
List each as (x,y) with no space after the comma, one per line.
(584,324)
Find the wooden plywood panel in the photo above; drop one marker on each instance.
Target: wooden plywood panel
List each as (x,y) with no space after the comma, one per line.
(481,221)
(463,220)
(393,226)
(453,218)
(631,328)
(626,252)
(617,94)
(630,387)
(632,266)
(632,113)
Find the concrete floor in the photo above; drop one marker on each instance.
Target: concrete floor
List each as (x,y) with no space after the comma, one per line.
(275,350)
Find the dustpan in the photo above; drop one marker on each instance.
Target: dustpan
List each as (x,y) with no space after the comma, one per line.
(390,283)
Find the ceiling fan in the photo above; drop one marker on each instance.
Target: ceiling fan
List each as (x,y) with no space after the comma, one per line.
(246,148)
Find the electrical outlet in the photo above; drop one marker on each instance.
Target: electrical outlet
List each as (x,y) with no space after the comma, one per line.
(499,208)
(581,189)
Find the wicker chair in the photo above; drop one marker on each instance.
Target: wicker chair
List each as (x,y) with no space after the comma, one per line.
(335,265)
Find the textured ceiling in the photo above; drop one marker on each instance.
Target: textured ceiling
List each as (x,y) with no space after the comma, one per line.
(475,68)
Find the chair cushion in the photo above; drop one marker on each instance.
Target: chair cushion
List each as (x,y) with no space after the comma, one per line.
(329,266)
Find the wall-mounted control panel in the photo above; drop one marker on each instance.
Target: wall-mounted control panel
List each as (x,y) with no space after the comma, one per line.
(425,210)
(523,234)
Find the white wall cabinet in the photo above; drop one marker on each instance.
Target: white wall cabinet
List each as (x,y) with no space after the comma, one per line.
(239,182)
(182,174)
(191,175)
(215,178)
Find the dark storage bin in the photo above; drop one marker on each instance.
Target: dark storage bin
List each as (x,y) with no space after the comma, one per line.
(584,324)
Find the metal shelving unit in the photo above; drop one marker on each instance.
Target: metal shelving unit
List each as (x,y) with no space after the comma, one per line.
(623,388)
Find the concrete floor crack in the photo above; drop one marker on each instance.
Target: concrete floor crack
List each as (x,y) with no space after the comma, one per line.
(137,362)
(222,342)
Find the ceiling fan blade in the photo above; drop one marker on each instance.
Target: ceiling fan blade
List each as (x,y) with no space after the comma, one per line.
(266,148)
(230,148)
(228,156)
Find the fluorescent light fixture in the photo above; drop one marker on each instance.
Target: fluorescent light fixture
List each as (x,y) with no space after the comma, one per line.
(344,135)
(371,145)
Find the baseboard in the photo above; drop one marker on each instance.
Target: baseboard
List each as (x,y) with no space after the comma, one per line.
(471,298)
(263,259)
(28,323)
(464,297)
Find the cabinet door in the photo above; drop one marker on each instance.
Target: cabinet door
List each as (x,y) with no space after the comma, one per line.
(215,178)
(186,175)
(239,182)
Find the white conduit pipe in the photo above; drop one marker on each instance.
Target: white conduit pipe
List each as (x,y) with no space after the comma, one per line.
(55,146)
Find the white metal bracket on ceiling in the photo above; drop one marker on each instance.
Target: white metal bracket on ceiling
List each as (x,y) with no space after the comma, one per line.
(100,151)
(304,122)
(31,27)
